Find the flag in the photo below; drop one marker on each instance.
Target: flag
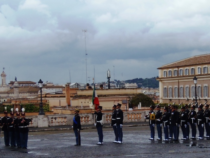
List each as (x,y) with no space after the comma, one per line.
(95,100)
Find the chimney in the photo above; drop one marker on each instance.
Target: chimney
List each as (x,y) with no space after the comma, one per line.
(87,86)
(101,86)
(67,89)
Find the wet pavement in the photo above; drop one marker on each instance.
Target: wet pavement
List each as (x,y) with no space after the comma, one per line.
(135,144)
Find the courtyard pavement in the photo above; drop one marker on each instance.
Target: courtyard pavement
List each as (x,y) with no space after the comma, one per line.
(60,144)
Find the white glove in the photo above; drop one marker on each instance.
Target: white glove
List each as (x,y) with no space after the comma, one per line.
(153,125)
(121,125)
(161,125)
(94,124)
(202,125)
(114,124)
(185,126)
(72,126)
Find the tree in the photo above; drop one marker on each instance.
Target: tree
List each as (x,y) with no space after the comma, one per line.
(144,99)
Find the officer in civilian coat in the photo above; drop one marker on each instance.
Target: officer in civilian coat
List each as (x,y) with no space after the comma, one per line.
(151,117)
(183,122)
(114,124)
(207,121)
(99,124)
(192,117)
(77,127)
(200,121)
(165,121)
(5,127)
(119,121)
(158,117)
(11,129)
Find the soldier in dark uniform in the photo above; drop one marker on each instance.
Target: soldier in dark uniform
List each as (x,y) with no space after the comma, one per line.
(158,117)
(165,121)
(174,120)
(99,124)
(151,122)
(119,121)
(200,121)
(5,127)
(188,122)
(170,126)
(114,124)
(192,117)
(23,127)
(207,121)
(77,127)
(17,132)
(178,121)
(12,129)
(183,122)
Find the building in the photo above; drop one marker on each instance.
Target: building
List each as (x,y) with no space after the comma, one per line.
(176,80)
(131,85)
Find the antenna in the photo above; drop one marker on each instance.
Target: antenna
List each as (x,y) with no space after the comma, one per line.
(70,76)
(114,72)
(94,73)
(85,53)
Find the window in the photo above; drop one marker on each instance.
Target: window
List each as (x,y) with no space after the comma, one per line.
(205,70)
(169,73)
(187,92)
(193,91)
(165,92)
(205,91)
(175,72)
(192,71)
(181,94)
(186,71)
(199,91)
(199,70)
(165,73)
(170,92)
(181,72)
(175,92)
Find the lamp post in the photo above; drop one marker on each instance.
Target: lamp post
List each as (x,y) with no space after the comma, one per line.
(41,111)
(195,82)
(108,77)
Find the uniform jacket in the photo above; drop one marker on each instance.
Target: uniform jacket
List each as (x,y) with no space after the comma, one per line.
(206,114)
(11,124)
(174,117)
(188,113)
(5,123)
(200,117)
(192,116)
(183,118)
(148,117)
(76,122)
(23,127)
(119,116)
(16,124)
(165,119)
(99,116)
(158,117)
(113,121)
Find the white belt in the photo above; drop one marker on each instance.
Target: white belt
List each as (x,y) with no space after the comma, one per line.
(157,119)
(192,120)
(23,126)
(165,122)
(118,118)
(113,119)
(98,121)
(10,126)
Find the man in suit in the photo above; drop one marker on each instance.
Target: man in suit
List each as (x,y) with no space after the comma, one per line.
(77,127)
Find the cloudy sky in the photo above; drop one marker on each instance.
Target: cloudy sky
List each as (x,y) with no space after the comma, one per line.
(44,38)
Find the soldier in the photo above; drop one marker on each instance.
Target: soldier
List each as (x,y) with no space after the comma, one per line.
(113,123)
(192,117)
(99,124)
(5,128)
(174,120)
(151,117)
(207,121)
(200,121)
(178,121)
(183,122)
(165,120)
(119,121)
(11,129)
(158,117)
(77,127)
(188,121)
(170,126)
(23,127)
(17,132)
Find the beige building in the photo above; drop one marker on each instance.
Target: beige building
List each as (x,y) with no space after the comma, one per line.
(176,80)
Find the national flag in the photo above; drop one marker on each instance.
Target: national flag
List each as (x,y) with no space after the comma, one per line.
(95,100)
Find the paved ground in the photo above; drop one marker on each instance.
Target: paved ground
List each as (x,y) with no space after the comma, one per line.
(136,144)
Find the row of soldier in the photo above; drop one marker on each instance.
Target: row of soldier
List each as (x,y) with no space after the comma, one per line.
(15,129)
(116,123)
(172,119)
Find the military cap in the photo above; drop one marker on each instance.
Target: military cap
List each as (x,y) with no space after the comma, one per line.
(151,106)
(183,107)
(166,108)
(158,106)
(76,110)
(23,112)
(206,105)
(119,104)
(100,107)
(11,113)
(17,112)
(5,110)
(114,106)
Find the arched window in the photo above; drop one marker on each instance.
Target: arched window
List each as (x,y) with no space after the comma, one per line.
(186,71)
(205,70)
(169,73)
(175,92)
(187,91)
(193,91)
(165,73)
(199,70)
(192,71)
(205,91)
(175,72)
(180,72)
(181,92)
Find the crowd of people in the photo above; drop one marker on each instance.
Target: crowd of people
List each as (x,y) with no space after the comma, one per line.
(15,129)
(171,120)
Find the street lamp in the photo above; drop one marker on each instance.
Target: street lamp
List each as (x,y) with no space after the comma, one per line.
(108,77)
(41,111)
(195,82)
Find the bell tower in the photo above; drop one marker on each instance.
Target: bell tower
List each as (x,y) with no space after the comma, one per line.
(3,78)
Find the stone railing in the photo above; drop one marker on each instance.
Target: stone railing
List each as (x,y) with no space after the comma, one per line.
(86,119)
